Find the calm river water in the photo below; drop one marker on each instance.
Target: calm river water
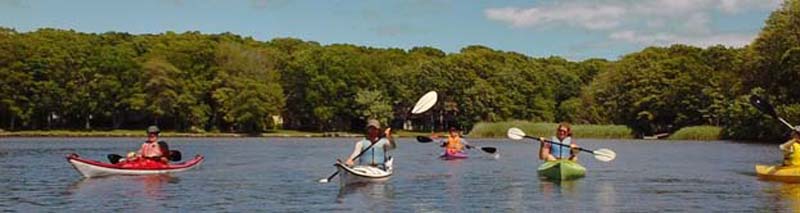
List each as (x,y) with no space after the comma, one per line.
(280,174)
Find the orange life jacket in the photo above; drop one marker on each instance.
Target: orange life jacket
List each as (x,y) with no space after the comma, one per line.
(454,143)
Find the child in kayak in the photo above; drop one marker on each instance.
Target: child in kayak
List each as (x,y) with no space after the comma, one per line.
(377,154)
(790,149)
(454,145)
(550,152)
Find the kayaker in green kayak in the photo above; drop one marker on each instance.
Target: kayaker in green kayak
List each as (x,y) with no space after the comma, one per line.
(791,157)
(550,152)
(377,154)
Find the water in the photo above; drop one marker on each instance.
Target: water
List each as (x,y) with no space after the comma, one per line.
(280,174)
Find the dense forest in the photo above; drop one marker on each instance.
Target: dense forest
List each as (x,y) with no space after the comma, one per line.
(194,82)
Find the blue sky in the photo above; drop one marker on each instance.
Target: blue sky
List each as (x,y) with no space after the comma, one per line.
(569,28)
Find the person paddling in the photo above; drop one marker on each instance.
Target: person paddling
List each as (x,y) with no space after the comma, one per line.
(377,154)
(454,145)
(791,157)
(152,149)
(549,152)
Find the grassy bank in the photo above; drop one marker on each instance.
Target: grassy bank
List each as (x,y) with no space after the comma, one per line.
(697,133)
(498,130)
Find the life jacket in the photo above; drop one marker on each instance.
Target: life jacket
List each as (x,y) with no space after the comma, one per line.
(454,143)
(376,155)
(560,151)
(151,150)
(792,158)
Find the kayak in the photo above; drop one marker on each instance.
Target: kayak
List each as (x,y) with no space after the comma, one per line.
(561,170)
(363,173)
(779,173)
(91,168)
(453,155)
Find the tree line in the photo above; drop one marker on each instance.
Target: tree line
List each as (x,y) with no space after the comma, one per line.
(63,79)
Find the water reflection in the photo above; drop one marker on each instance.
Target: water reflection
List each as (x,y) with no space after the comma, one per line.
(551,189)
(367,195)
(606,197)
(146,186)
(787,194)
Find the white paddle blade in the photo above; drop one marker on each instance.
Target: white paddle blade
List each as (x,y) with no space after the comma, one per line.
(604,155)
(323,180)
(515,133)
(426,102)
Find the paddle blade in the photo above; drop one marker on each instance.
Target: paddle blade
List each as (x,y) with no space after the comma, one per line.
(175,155)
(604,155)
(763,106)
(423,139)
(490,150)
(515,133)
(426,102)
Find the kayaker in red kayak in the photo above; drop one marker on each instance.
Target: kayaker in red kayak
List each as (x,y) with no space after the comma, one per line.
(549,152)
(791,157)
(455,144)
(377,154)
(152,149)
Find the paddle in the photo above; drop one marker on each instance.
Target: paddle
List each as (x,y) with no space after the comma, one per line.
(423,104)
(487,149)
(174,155)
(767,108)
(604,155)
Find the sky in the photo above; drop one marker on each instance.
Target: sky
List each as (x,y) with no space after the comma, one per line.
(574,29)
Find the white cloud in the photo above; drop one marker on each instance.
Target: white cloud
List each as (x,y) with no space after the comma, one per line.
(664,39)
(653,22)
(587,16)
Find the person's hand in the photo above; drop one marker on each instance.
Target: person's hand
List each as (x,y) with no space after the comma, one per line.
(388,132)
(797,129)
(573,148)
(541,139)
(349,162)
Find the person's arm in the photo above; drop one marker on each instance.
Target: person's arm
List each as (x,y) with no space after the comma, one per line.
(390,141)
(544,149)
(787,147)
(573,151)
(356,151)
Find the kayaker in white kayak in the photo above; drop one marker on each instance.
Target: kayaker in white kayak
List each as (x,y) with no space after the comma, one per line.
(791,157)
(377,154)
(454,143)
(549,152)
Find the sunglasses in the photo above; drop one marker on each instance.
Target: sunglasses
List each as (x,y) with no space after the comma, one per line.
(562,130)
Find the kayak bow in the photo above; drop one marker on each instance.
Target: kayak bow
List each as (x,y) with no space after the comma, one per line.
(561,170)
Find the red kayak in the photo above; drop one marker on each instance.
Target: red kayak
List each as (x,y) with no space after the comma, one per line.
(91,168)
(453,155)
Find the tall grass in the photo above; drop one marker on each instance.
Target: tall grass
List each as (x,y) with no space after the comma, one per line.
(499,129)
(697,133)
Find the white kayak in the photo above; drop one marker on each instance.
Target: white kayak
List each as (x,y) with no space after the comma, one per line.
(363,174)
(91,168)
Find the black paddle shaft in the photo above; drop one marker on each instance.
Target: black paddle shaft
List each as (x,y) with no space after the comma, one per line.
(560,144)
(765,107)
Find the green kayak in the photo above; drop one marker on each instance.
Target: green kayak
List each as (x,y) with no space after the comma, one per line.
(561,170)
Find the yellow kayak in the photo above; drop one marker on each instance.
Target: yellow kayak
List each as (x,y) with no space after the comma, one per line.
(779,173)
